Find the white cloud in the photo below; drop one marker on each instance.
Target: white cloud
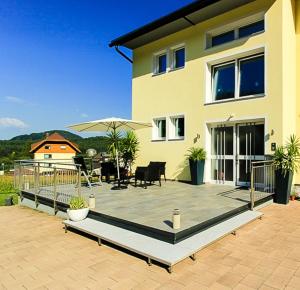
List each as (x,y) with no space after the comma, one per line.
(15,100)
(84,115)
(12,122)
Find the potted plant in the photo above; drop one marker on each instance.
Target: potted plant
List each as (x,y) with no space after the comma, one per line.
(78,210)
(286,161)
(196,157)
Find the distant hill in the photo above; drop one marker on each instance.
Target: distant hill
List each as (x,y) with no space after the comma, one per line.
(18,147)
(39,136)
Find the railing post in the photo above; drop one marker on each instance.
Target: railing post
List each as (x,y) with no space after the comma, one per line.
(252,188)
(55,190)
(35,187)
(79,182)
(20,181)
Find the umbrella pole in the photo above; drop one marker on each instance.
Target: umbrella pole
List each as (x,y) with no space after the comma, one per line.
(118,169)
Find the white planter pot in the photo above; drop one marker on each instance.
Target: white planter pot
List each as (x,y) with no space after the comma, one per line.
(77,215)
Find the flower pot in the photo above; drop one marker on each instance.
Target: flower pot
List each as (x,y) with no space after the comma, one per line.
(283,186)
(292,197)
(197,171)
(77,215)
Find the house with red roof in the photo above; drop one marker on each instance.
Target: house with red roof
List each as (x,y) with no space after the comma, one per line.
(54,147)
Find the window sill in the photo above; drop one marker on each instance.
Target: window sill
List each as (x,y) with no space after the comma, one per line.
(236,99)
(158,74)
(176,139)
(158,140)
(176,68)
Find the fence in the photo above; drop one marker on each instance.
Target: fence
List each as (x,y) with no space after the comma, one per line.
(262,180)
(57,181)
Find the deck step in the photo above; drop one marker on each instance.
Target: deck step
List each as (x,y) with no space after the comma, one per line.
(165,253)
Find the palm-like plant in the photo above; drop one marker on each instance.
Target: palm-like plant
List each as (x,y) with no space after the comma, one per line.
(113,142)
(129,147)
(286,158)
(196,153)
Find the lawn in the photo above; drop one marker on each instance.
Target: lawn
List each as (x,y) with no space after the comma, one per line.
(7,189)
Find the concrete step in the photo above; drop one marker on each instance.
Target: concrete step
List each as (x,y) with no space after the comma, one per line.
(160,251)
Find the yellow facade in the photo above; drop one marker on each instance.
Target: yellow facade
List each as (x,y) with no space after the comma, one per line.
(184,91)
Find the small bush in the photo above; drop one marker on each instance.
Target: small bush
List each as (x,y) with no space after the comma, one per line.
(78,203)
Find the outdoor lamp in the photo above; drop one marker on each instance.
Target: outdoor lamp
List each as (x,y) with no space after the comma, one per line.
(176,219)
(92,201)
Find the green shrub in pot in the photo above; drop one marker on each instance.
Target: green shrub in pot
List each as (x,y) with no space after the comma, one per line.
(78,209)
(196,157)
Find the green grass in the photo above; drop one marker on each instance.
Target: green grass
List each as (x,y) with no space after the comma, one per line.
(7,189)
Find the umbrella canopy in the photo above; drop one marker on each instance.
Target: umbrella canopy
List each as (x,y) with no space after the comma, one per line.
(104,125)
(113,124)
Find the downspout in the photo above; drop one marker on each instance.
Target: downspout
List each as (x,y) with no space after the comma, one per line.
(123,54)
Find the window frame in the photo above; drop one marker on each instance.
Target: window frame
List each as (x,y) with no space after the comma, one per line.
(236,60)
(173,51)
(172,128)
(155,129)
(50,156)
(234,26)
(47,147)
(156,57)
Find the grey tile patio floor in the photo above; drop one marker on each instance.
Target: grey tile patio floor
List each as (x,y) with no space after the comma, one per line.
(153,206)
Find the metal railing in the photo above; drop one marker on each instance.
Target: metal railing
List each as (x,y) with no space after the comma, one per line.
(55,180)
(262,180)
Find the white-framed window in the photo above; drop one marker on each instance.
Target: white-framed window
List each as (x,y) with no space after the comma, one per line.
(177,57)
(63,147)
(238,78)
(47,156)
(159,129)
(177,127)
(160,62)
(242,28)
(47,147)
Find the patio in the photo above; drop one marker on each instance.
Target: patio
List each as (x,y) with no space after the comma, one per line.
(149,211)
(35,254)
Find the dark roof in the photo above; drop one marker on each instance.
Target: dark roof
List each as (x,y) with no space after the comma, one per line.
(196,12)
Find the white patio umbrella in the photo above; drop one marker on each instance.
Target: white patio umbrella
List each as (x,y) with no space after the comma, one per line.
(105,125)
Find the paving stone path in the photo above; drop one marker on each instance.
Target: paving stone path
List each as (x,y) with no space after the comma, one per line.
(35,253)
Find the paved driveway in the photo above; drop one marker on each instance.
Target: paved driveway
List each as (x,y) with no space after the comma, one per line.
(35,253)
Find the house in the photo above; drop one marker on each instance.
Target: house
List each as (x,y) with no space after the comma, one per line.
(54,147)
(217,74)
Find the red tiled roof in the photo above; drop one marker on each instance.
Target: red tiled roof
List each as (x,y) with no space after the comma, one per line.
(54,137)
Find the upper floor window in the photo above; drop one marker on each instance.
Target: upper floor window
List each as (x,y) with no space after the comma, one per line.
(159,128)
(169,59)
(239,78)
(237,30)
(160,63)
(63,147)
(178,58)
(47,147)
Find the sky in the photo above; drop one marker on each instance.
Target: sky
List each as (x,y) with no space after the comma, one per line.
(56,68)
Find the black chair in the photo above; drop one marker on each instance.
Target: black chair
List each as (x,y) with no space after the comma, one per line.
(88,175)
(108,169)
(150,174)
(162,166)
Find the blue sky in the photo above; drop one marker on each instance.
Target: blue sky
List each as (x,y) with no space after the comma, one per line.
(55,64)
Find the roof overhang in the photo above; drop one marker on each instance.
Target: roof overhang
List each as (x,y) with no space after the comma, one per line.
(182,18)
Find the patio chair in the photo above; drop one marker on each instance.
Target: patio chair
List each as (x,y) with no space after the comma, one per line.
(109,169)
(150,174)
(88,174)
(162,166)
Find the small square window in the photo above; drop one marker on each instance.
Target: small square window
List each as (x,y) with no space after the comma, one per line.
(63,147)
(161,63)
(47,156)
(179,58)
(159,129)
(177,127)
(47,147)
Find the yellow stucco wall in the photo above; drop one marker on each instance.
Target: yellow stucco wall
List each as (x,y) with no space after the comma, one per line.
(184,91)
